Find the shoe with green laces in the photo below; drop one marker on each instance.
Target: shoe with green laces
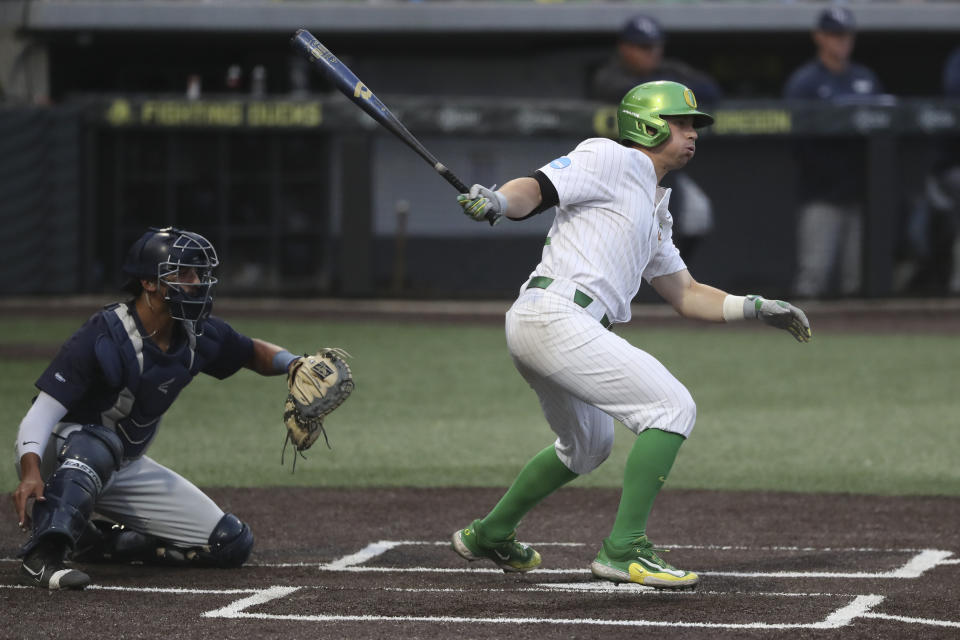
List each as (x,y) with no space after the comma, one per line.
(509,555)
(640,563)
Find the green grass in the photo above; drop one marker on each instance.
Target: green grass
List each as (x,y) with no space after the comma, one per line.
(442,405)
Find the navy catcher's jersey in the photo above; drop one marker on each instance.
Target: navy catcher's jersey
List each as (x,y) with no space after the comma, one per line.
(109,373)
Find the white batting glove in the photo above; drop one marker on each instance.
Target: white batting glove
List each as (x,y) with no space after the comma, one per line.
(481,201)
(779,314)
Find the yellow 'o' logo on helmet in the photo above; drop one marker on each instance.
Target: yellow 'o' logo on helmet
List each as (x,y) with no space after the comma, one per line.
(689,98)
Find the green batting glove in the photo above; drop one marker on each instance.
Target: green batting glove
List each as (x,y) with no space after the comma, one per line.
(482,200)
(779,314)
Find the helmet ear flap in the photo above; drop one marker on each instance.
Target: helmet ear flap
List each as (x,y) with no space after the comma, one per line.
(646,129)
(659,126)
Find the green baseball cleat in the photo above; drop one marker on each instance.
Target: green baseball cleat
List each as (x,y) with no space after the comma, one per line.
(640,563)
(509,555)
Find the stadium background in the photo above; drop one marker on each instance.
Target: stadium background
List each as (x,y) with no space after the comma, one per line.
(303,196)
(305,200)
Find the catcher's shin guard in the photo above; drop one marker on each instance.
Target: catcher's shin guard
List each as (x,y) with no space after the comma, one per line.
(88,460)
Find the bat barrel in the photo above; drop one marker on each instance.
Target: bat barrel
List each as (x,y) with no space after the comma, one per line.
(361,95)
(305,42)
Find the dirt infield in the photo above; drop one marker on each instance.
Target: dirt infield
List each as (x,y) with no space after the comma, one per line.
(376,563)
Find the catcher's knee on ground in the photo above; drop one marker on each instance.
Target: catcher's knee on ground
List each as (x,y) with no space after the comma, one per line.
(88,460)
(229,546)
(230,543)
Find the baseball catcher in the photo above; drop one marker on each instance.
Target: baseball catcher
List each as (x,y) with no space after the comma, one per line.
(82,446)
(318,384)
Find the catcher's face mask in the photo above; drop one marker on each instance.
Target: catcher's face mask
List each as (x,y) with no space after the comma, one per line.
(188,276)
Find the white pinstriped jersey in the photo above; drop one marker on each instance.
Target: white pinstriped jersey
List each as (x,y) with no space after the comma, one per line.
(612,226)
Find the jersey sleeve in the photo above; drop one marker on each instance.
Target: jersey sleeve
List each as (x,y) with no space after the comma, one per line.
(585,176)
(234,349)
(665,261)
(75,368)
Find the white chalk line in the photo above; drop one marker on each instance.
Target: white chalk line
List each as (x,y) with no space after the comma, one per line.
(858,608)
(171,590)
(915,567)
(841,617)
(545,587)
(367,553)
(621,589)
(926,621)
(706,547)
(235,609)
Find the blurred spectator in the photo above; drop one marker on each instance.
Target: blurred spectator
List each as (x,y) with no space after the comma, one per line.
(933,228)
(947,174)
(831,178)
(638,59)
(234,78)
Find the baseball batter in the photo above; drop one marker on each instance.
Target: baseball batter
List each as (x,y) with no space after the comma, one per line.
(81,446)
(612,230)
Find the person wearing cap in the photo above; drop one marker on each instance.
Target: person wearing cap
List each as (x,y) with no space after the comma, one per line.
(831,178)
(639,59)
(931,252)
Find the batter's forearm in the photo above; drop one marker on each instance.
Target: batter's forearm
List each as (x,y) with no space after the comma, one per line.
(690,298)
(523,196)
(703,302)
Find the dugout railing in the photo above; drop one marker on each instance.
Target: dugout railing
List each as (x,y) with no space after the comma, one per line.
(307,197)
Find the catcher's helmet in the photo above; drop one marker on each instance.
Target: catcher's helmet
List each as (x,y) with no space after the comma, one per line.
(172,256)
(639,117)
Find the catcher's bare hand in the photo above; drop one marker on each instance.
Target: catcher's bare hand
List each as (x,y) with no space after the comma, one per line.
(318,384)
(779,314)
(31,487)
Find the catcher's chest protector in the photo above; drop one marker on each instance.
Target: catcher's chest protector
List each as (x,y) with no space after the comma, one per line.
(144,381)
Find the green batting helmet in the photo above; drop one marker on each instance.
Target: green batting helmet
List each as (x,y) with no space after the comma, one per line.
(639,117)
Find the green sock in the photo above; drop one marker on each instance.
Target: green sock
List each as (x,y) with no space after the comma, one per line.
(647,468)
(543,475)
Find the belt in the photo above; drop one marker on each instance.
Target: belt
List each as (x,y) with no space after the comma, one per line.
(579,297)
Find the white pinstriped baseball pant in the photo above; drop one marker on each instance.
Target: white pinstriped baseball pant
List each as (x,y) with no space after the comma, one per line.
(585,376)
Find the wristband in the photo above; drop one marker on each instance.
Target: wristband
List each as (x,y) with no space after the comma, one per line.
(733,308)
(502,202)
(282,360)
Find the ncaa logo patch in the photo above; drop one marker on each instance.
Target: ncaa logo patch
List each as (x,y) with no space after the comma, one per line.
(561,163)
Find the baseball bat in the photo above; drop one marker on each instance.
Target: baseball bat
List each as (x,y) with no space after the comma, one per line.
(352,87)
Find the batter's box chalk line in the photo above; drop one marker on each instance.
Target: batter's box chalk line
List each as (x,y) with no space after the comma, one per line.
(921,561)
(859,607)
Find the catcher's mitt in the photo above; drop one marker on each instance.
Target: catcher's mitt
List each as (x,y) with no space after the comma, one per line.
(318,385)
